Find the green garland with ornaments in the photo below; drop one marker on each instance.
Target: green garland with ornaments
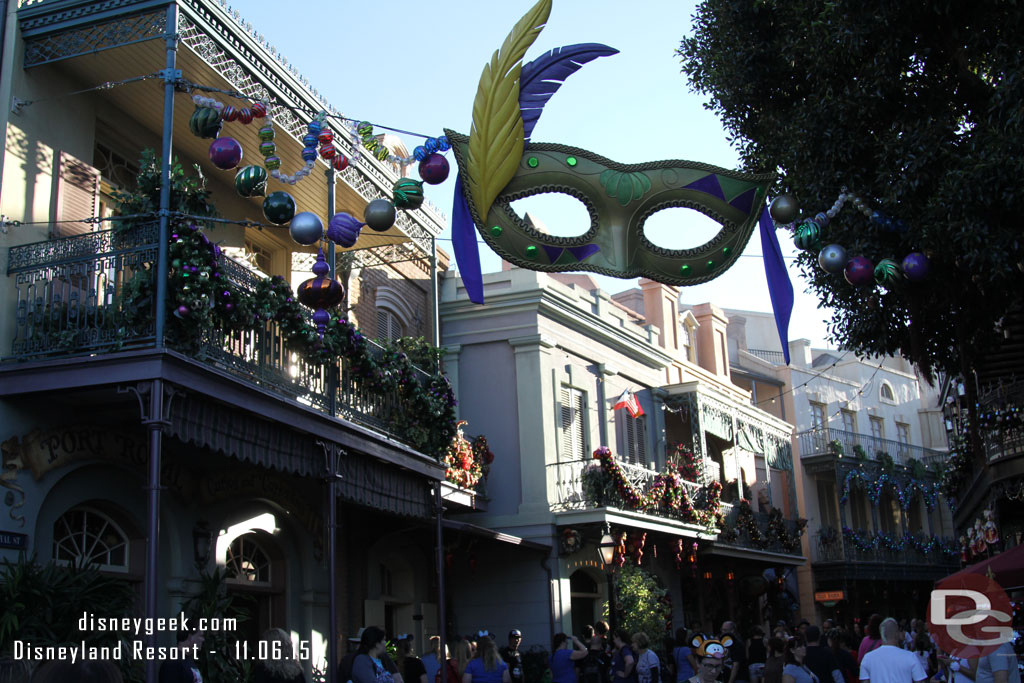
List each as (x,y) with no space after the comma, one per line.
(775,531)
(667,495)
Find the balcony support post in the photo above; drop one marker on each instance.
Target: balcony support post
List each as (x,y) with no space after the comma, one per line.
(332,370)
(332,453)
(442,616)
(171,32)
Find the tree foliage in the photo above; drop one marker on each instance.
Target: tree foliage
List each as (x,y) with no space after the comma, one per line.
(916,108)
(641,604)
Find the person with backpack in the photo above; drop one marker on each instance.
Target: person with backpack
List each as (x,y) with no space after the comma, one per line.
(686,665)
(648,666)
(596,666)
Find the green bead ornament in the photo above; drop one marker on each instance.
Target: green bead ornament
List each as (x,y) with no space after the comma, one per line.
(251,181)
(888,273)
(808,236)
(408,194)
(205,122)
(266,134)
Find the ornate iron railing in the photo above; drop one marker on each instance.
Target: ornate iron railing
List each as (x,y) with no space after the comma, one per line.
(767,541)
(69,301)
(776,357)
(567,491)
(68,292)
(829,545)
(820,441)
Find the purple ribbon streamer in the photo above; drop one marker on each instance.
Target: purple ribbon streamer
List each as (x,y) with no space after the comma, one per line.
(467,253)
(780,289)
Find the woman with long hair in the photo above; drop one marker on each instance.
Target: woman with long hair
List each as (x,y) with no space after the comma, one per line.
(487,666)
(872,638)
(367,666)
(280,665)
(795,670)
(409,665)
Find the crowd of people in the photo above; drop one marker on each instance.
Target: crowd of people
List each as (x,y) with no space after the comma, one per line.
(884,651)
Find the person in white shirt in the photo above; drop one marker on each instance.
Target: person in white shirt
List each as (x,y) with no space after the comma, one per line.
(888,663)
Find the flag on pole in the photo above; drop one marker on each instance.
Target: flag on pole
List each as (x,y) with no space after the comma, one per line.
(629,402)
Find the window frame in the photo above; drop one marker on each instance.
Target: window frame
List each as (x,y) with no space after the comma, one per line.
(874,421)
(570,433)
(391,320)
(886,386)
(80,557)
(632,437)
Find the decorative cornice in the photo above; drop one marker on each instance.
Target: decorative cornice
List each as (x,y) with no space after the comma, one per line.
(528,342)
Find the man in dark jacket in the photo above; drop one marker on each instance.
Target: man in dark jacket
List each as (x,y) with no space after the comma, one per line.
(820,659)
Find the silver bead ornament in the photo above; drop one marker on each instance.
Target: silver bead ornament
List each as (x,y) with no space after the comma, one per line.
(306,228)
(784,209)
(379,215)
(833,259)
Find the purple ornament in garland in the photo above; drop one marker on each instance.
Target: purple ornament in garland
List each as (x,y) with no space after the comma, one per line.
(320,293)
(859,271)
(225,153)
(344,229)
(916,266)
(434,169)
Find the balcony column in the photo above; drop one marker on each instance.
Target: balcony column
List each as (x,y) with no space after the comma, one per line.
(658,427)
(536,396)
(604,371)
(451,369)
(170,79)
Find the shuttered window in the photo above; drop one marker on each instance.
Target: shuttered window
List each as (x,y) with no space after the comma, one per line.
(633,434)
(573,406)
(76,196)
(388,326)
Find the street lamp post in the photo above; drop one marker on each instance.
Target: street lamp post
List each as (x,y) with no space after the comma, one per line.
(606,550)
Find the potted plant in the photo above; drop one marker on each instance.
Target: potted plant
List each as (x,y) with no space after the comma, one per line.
(836,447)
(859,451)
(888,464)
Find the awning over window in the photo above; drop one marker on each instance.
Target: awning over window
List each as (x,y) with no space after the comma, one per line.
(716,421)
(365,480)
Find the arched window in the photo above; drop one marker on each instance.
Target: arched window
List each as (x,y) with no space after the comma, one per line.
(886,393)
(84,536)
(388,325)
(247,563)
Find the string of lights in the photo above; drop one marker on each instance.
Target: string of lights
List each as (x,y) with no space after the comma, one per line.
(20,104)
(811,379)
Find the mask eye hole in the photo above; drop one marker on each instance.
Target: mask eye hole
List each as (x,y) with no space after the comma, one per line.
(554,213)
(679,228)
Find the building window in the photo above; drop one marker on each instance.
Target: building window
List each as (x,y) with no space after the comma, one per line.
(877,428)
(388,326)
(247,563)
(686,342)
(633,436)
(886,393)
(258,257)
(826,503)
(818,420)
(573,405)
(903,433)
(849,421)
(87,537)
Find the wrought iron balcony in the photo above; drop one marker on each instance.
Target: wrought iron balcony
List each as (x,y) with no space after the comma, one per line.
(69,301)
(832,545)
(775,357)
(825,441)
(786,539)
(570,488)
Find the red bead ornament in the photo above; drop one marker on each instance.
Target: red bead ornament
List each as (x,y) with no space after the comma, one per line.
(245,115)
(326,135)
(229,113)
(259,110)
(327,151)
(340,162)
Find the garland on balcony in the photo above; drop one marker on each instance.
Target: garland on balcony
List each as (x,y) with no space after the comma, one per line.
(667,492)
(955,474)
(202,298)
(876,485)
(775,530)
(467,462)
(865,542)
(688,465)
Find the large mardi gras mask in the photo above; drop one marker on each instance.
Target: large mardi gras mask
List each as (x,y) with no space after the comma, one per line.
(498,165)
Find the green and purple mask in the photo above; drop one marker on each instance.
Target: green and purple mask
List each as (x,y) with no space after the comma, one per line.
(499,165)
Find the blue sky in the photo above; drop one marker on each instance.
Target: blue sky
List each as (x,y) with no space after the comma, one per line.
(415,66)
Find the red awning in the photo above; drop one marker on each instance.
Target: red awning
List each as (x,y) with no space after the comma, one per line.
(1006,568)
